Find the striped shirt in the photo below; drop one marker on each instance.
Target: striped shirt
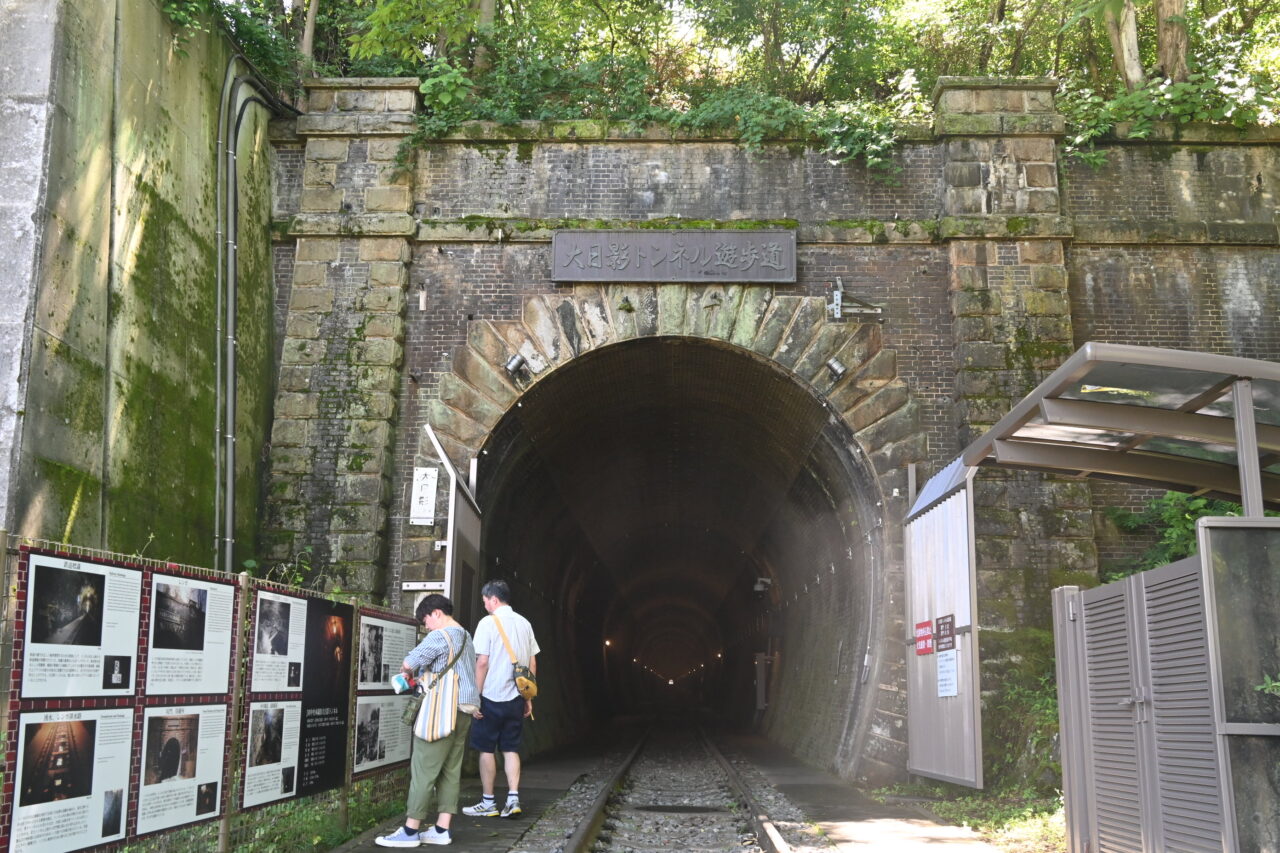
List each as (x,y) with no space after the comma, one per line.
(432,655)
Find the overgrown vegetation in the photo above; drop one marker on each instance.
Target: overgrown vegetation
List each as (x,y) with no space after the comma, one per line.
(309,823)
(1014,820)
(848,75)
(1020,710)
(1172,518)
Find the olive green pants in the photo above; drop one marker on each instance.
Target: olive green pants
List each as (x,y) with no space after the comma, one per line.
(435,768)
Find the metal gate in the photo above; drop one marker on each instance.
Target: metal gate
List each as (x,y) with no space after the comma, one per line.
(1139,758)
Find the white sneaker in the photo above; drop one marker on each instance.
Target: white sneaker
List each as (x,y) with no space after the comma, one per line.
(435,836)
(399,838)
(481,809)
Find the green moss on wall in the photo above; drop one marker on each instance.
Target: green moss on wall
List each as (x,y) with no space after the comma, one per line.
(255,337)
(1019,710)
(129,336)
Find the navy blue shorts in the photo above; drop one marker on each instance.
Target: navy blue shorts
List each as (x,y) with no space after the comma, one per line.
(500,726)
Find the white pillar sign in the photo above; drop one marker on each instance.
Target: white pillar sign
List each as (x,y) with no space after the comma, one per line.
(422,502)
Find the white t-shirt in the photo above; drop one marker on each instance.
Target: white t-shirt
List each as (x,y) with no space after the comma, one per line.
(500,682)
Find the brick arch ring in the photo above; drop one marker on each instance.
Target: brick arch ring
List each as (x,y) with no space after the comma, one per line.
(792,331)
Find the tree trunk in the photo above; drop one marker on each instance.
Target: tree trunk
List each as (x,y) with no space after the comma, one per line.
(1171,38)
(771,49)
(486,11)
(1059,40)
(997,16)
(306,45)
(1020,43)
(1091,61)
(1122,30)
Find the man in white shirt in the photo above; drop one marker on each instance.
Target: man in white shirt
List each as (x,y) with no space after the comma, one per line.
(499,723)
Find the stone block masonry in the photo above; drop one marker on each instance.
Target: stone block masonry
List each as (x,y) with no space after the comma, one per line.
(342,347)
(989,259)
(1013,326)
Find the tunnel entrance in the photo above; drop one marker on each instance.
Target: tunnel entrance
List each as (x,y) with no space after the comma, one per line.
(668,509)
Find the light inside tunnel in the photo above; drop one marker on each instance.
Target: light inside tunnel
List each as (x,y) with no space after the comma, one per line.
(640,493)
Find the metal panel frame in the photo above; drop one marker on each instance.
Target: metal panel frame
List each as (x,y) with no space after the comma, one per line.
(928,718)
(469,526)
(1076,746)
(1225,730)
(1000,445)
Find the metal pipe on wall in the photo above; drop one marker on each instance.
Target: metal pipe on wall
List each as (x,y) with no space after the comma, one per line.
(226,283)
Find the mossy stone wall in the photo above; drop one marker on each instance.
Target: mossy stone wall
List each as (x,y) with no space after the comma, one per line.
(118,427)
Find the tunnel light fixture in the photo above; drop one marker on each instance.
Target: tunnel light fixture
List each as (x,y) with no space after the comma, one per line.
(836,367)
(718,655)
(514,364)
(608,642)
(671,681)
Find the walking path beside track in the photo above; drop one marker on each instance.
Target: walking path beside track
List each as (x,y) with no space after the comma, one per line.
(849,821)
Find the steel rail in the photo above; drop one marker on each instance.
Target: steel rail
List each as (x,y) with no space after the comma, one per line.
(766,833)
(585,835)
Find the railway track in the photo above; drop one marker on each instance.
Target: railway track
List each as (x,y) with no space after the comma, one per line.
(675,791)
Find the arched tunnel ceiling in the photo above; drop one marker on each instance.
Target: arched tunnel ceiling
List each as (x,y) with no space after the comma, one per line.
(667,459)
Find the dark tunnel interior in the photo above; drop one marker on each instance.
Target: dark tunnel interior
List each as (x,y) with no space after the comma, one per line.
(667,509)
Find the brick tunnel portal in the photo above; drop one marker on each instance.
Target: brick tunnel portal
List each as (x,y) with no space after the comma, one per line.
(684,506)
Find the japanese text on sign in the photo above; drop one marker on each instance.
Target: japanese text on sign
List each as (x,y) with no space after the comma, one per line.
(924,637)
(739,256)
(946,633)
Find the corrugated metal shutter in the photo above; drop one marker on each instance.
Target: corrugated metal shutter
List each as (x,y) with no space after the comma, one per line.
(1145,724)
(1182,709)
(1117,800)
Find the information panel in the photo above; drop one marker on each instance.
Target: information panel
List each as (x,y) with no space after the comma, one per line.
(182,756)
(72,788)
(383,647)
(82,628)
(326,688)
(381,738)
(271,759)
(281,627)
(191,631)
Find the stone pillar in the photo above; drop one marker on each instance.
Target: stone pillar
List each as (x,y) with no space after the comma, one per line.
(28,110)
(332,442)
(1006,241)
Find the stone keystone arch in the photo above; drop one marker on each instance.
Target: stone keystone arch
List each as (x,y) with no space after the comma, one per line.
(791,331)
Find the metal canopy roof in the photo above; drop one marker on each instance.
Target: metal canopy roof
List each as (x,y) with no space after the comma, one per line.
(1193,422)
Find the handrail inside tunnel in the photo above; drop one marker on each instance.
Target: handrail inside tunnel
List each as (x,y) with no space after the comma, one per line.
(672,508)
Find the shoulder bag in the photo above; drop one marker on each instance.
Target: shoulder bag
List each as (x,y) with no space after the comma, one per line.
(526,683)
(437,712)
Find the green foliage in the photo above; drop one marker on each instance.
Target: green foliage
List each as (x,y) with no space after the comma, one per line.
(188,16)
(845,75)
(1020,710)
(1173,518)
(753,116)
(1016,819)
(1220,88)
(293,572)
(263,40)
(405,28)
(446,93)
(1269,685)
